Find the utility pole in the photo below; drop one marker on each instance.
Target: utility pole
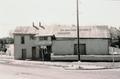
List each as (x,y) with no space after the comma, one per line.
(78,38)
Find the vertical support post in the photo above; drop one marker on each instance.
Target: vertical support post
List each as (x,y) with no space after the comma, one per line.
(113,57)
(78,39)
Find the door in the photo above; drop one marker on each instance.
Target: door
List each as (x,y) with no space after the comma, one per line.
(41,54)
(23,54)
(45,53)
(49,51)
(82,48)
(33,52)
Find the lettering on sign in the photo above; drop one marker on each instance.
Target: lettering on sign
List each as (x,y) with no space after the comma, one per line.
(68,31)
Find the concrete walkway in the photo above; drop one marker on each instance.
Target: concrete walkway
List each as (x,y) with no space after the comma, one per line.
(70,65)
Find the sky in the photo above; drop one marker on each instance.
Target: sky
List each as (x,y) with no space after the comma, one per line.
(15,13)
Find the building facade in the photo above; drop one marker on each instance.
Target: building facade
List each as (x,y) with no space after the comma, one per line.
(60,41)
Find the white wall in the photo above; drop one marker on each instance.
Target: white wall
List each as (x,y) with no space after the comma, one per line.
(113,50)
(29,43)
(18,46)
(10,49)
(96,46)
(93,46)
(63,47)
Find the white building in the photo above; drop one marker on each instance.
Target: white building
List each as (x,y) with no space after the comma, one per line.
(58,40)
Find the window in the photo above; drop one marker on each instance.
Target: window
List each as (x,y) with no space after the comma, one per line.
(32,37)
(43,38)
(22,40)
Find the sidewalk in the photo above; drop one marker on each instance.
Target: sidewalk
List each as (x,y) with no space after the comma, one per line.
(70,65)
(65,65)
(92,65)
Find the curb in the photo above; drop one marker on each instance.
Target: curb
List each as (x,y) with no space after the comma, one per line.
(34,63)
(84,67)
(66,66)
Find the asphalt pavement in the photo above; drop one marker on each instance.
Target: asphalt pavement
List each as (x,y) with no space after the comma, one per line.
(24,69)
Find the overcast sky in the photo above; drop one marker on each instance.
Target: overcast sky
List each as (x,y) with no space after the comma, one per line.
(23,12)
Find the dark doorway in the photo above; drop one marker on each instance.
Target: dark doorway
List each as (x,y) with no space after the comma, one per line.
(33,53)
(41,53)
(23,54)
(49,51)
(82,49)
(45,53)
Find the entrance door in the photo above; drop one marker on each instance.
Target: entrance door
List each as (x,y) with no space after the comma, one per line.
(33,52)
(23,54)
(82,48)
(49,51)
(41,53)
(45,53)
